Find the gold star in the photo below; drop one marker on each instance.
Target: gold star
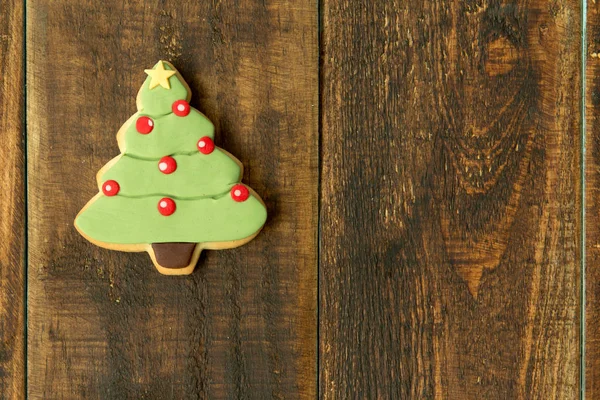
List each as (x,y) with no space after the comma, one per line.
(160,76)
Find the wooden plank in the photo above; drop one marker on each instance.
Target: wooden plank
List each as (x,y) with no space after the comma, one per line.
(12,204)
(450,243)
(592,176)
(105,324)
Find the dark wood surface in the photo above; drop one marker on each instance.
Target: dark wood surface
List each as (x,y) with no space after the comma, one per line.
(592,176)
(12,204)
(105,324)
(450,206)
(449,229)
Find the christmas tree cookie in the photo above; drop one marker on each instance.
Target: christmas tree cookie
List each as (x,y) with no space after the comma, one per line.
(171,191)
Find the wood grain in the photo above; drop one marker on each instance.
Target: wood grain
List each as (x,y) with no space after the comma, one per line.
(592,176)
(450,205)
(12,204)
(104,324)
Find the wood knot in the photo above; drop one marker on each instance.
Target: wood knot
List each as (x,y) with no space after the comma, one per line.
(501,58)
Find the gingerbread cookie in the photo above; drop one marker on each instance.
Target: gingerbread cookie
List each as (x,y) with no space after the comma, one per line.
(171,191)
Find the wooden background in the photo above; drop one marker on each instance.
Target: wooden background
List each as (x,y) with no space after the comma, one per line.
(431,171)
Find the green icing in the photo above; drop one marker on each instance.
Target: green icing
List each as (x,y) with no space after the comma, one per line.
(171,135)
(200,185)
(197,175)
(126,220)
(158,100)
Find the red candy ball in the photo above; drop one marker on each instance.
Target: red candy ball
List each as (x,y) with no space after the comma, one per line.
(110,188)
(181,108)
(240,193)
(167,165)
(166,206)
(144,125)
(206,145)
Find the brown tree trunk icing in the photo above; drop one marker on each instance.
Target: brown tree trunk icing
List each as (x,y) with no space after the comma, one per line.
(173,255)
